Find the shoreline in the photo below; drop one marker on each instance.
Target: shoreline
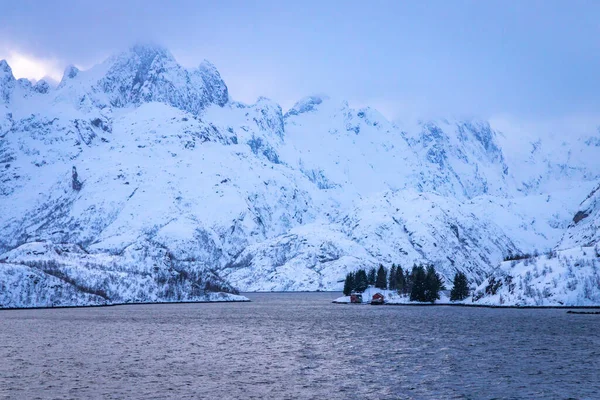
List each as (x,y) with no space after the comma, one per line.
(125,304)
(476,305)
(567,307)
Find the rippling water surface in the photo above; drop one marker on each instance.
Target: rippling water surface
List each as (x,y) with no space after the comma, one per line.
(298,346)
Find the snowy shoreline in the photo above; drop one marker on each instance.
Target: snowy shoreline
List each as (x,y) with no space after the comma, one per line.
(230,299)
(394,299)
(472,305)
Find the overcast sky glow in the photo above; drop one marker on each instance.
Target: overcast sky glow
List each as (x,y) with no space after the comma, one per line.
(524,59)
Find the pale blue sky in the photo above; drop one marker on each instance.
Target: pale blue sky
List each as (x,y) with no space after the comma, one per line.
(525,59)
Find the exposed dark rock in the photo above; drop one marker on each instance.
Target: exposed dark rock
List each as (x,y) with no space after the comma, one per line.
(75,182)
(579,216)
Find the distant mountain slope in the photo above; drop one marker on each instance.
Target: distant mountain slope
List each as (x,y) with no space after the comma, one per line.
(585,227)
(569,275)
(163,188)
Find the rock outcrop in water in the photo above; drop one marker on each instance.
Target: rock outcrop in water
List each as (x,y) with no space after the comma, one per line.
(187,192)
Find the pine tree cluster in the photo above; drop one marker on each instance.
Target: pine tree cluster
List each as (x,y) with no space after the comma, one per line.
(422,283)
(426,284)
(356,282)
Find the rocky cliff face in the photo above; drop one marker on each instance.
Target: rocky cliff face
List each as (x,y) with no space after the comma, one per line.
(146,74)
(181,191)
(7,82)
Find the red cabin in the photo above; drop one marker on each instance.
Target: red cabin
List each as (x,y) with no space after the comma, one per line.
(377,299)
(356,298)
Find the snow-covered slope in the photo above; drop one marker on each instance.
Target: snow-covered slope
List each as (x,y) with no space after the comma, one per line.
(42,274)
(569,275)
(584,230)
(562,278)
(163,188)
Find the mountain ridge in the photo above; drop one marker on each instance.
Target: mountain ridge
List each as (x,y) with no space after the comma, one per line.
(180,181)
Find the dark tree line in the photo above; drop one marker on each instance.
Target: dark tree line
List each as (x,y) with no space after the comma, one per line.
(426,284)
(359,281)
(422,283)
(356,282)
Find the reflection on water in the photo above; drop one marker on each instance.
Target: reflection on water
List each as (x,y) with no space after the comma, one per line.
(298,346)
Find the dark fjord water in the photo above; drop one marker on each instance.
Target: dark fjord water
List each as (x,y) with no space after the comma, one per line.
(298,346)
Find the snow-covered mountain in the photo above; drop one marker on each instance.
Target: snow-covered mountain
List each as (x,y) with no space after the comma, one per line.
(141,180)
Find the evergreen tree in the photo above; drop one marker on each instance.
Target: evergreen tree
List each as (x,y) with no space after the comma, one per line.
(460,291)
(408,281)
(417,277)
(381,281)
(361,281)
(349,284)
(372,276)
(393,279)
(433,285)
(400,281)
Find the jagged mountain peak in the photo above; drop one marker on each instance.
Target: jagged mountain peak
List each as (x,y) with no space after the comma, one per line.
(148,73)
(25,83)
(141,58)
(7,81)
(211,79)
(372,116)
(484,135)
(5,69)
(147,50)
(71,72)
(268,116)
(306,104)
(141,62)
(208,67)
(42,86)
(480,129)
(267,101)
(472,131)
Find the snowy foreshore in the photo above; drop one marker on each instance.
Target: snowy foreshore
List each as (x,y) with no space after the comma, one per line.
(218,297)
(504,298)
